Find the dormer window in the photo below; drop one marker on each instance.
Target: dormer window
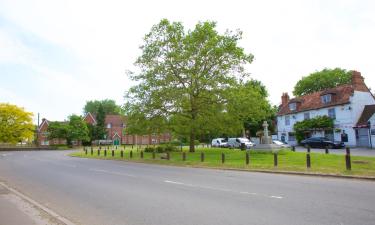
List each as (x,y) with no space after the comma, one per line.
(293,106)
(109,125)
(326,98)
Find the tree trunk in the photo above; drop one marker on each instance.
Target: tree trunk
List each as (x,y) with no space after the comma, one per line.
(192,139)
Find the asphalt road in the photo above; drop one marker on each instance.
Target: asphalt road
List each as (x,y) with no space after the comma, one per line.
(105,192)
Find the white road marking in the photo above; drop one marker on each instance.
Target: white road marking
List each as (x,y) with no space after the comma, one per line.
(222,189)
(113,173)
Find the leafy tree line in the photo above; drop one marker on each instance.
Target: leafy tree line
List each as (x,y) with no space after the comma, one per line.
(193,83)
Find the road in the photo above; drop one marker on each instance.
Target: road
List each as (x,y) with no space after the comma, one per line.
(89,191)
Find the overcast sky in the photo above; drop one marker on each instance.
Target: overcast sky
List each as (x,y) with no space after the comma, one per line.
(56,55)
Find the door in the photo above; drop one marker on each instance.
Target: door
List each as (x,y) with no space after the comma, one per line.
(116,142)
(362,137)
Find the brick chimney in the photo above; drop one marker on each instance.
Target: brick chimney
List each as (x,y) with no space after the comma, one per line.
(358,82)
(284,98)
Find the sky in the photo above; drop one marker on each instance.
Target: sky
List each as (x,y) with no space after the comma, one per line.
(56,55)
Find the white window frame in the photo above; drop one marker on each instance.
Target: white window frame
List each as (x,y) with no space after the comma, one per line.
(326,98)
(330,114)
(293,106)
(287,120)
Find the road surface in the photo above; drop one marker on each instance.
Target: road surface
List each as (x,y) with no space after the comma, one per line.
(104,192)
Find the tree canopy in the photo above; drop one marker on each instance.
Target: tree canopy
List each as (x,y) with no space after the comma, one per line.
(309,125)
(15,124)
(185,80)
(73,130)
(320,80)
(109,107)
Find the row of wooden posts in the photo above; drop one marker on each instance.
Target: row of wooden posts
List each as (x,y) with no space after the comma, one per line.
(202,156)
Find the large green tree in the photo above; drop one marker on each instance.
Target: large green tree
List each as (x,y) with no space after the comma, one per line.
(15,124)
(184,74)
(109,107)
(73,130)
(320,80)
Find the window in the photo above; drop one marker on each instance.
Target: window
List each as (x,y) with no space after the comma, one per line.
(292,136)
(109,125)
(306,116)
(372,131)
(293,106)
(326,98)
(287,120)
(332,113)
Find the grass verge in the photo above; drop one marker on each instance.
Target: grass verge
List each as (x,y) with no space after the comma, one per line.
(288,161)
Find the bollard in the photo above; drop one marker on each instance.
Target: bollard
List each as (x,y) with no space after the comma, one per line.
(98,152)
(202,156)
(141,154)
(124,147)
(348,162)
(105,152)
(327,151)
(132,146)
(85,151)
(168,156)
(247,158)
(122,154)
(275,159)
(308,160)
(308,149)
(113,153)
(153,155)
(92,151)
(293,148)
(183,156)
(131,153)
(222,158)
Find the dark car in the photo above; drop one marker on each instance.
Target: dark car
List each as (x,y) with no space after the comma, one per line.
(321,142)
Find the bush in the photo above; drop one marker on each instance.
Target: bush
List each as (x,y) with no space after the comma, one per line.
(149,149)
(175,143)
(170,148)
(159,149)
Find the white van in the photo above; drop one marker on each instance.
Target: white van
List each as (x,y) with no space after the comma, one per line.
(219,142)
(236,142)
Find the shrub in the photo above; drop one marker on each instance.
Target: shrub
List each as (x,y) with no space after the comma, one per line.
(160,149)
(175,143)
(170,148)
(149,149)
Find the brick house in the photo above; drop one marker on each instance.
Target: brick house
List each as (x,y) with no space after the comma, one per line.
(115,126)
(350,105)
(42,135)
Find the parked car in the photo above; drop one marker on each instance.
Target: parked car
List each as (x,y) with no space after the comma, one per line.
(219,142)
(282,144)
(321,142)
(236,142)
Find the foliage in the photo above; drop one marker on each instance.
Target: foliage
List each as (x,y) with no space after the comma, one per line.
(15,124)
(109,107)
(316,123)
(183,77)
(74,129)
(99,129)
(320,80)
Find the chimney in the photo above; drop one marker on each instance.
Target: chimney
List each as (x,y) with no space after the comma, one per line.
(284,98)
(358,82)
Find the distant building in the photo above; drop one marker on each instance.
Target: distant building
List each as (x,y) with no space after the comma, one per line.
(43,135)
(115,126)
(352,106)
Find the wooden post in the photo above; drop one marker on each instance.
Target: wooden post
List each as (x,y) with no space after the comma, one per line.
(202,156)
(275,159)
(222,158)
(98,152)
(293,148)
(247,158)
(105,152)
(308,149)
(141,154)
(122,154)
(113,153)
(347,159)
(183,156)
(168,156)
(308,161)
(131,153)
(327,151)
(153,154)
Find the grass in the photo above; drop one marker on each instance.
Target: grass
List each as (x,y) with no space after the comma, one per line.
(259,160)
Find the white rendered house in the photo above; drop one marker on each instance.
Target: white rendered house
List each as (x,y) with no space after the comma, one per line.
(345,104)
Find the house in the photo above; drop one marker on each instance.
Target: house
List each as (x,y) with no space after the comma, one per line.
(350,105)
(115,126)
(42,135)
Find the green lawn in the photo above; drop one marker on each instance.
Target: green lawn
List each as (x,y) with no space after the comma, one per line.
(287,160)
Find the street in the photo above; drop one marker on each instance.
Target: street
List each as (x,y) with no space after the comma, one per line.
(89,191)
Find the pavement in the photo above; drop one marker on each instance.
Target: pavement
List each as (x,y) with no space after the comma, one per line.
(90,191)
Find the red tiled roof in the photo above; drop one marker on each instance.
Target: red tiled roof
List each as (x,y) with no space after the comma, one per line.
(340,95)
